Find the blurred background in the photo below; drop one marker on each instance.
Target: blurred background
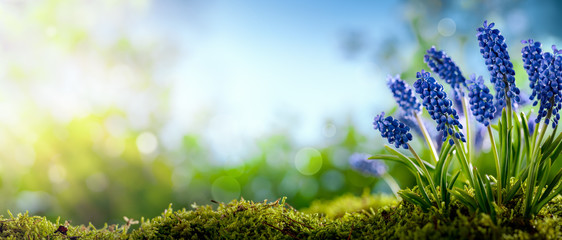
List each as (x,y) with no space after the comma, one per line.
(117,108)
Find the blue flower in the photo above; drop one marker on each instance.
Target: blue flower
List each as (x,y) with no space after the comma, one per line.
(447,70)
(360,162)
(404,95)
(440,108)
(481,101)
(410,122)
(494,50)
(532,60)
(394,131)
(549,87)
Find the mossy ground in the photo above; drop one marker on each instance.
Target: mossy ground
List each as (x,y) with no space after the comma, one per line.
(348,217)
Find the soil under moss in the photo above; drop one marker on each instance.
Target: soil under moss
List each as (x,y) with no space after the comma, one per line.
(348,217)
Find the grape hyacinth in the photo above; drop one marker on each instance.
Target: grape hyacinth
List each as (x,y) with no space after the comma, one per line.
(404,95)
(440,63)
(414,126)
(549,87)
(481,101)
(438,105)
(394,131)
(494,50)
(360,162)
(532,59)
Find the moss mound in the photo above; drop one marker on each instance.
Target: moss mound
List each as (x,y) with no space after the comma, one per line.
(366,217)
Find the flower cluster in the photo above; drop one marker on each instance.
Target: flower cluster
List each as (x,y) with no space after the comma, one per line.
(439,107)
(481,101)
(494,50)
(447,70)
(360,162)
(527,167)
(395,131)
(532,59)
(549,87)
(404,95)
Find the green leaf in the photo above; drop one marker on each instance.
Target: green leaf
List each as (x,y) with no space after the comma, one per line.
(515,188)
(422,188)
(406,159)
(444,168)
(445,149)
(465,198)
(413,198)
(553,149)
(489,190)
(526,135)
(531,186)
(446,189)
(542,176)
(541,203)
(551,185)
(454,179)
(480,192)
(394,159)
(516,148)
(506,157)
(443,165)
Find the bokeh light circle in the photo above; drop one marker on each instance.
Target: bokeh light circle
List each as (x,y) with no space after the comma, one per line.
(308,161)
(446,27)
(330,130)
(147,143)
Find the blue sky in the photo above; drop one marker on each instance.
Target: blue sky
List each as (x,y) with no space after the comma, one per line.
(258,66)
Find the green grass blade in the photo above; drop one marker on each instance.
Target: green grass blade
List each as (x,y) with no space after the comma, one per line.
(551,185)
(553,150)
(517,186)
(480,193)
(453,179)
(541,203)
(413,198)
(405,159)
(442,167)
(465,198)
(526,134)
(421,187)
(445,149)
(393,159)
(530,187)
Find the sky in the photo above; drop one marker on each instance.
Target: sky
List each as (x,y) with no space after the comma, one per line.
(258,67)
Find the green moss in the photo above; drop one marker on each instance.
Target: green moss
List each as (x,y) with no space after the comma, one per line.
(366,217)
(24,226)
(277,220)
(349,203)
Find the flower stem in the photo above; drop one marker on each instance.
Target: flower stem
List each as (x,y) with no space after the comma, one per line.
(509,113)
(542,129)
(426,173)
(427,138)
(498,165)
(466,115)
(465,166)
